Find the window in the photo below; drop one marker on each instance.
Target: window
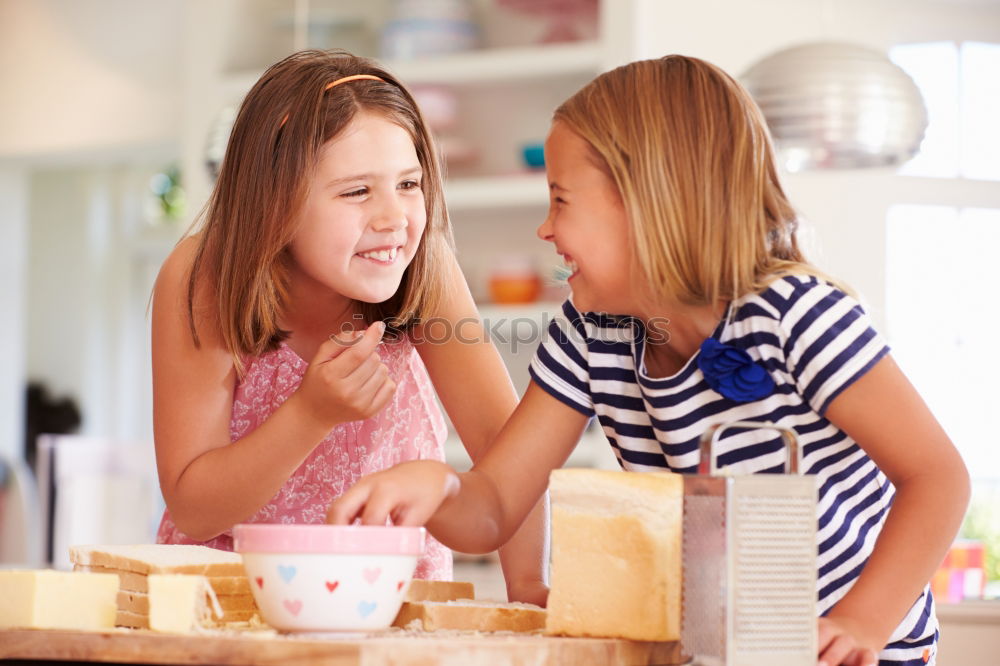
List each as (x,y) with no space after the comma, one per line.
(941,271)
(961,90)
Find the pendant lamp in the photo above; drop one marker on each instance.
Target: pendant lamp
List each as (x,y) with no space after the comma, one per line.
(835,105)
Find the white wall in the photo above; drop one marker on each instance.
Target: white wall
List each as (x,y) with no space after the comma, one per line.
(86,77)
(90,90)
(88,333)
(13,277)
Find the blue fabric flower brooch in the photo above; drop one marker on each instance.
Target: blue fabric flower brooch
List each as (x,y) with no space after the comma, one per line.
(731,372)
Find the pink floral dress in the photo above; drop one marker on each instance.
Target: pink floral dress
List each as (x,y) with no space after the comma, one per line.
(410,427)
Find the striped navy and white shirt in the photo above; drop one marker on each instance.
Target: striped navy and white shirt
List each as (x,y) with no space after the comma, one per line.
(814,341)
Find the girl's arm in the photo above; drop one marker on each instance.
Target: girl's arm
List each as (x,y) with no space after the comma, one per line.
(208,483)
(476,511)
(883,413)
(475,389)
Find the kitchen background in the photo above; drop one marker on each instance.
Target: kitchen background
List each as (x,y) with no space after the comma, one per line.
(113,111)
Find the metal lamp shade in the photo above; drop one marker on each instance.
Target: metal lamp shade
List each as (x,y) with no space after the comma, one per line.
(832,105)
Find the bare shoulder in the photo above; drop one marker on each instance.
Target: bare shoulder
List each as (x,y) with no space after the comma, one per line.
(172,313)
(171,289)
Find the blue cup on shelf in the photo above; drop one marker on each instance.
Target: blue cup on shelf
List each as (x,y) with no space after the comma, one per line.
(533,155)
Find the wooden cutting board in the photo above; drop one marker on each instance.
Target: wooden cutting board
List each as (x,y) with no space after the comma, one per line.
(146,647)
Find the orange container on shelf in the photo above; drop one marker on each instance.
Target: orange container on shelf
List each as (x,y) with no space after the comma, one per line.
(514,279)
(510,290)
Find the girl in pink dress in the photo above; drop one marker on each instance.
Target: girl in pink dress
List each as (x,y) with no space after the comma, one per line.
(297,332)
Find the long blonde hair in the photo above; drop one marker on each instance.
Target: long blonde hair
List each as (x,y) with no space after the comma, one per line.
(692,159)
(249,220)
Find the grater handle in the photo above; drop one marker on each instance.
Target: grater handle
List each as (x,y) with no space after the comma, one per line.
(707,464)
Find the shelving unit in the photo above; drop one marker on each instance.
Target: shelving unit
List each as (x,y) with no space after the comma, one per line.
(523,72)
(501,65)
(515,191)
(506,92)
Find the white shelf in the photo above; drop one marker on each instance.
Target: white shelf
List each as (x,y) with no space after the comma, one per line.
(486,66)
(522,190)
(490,66)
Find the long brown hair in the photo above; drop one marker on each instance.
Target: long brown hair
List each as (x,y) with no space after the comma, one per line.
(692,159)
(250,217)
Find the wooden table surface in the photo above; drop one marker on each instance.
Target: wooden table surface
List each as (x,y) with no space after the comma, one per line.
(124,646)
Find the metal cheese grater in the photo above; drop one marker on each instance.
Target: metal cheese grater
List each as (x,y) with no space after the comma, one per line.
(749,557)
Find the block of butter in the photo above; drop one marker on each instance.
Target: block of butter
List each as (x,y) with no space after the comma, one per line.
(616,554)
(46,599)
(181,603)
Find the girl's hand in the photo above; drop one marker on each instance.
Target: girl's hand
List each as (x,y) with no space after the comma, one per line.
(839,644)
(346,381)
(531,591)
(408,493)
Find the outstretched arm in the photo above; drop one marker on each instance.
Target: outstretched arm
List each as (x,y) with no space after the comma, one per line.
(476,511)
(883,413)
(475,389)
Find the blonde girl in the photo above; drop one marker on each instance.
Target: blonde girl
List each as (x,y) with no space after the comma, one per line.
(274,388)
(692,305)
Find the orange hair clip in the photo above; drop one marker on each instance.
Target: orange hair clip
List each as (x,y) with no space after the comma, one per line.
(352,77)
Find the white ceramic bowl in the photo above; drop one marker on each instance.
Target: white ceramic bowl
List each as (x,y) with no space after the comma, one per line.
(328,577)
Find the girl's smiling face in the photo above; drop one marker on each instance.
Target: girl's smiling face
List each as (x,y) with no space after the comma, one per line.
(364,214)
(588,225)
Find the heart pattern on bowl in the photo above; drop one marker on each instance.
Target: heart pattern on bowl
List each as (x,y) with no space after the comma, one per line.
(301,593)
(366,608)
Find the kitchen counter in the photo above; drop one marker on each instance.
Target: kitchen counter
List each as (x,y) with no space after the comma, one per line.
(395,648)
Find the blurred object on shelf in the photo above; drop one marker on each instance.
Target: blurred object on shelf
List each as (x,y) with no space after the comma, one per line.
(458,154)
(568,20)
(838,106)
(962,575)
(439,106)
(46,414)
(331,29)
(514,279)
(419,28)
(166,202)
(556,288)
(218,139)
(533,155)
(95,490)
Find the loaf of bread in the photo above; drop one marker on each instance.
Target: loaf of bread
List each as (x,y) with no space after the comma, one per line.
(616,554)
(438,590)
(468,615)
(222,585)
(182,571)
(139,602)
